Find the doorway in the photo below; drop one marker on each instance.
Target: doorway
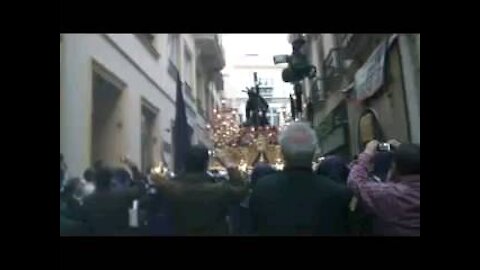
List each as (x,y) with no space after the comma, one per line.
(106,120)
(148,139)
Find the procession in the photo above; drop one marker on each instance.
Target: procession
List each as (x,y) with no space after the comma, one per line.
(284,135)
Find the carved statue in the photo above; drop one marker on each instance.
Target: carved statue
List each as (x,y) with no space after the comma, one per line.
(256,109)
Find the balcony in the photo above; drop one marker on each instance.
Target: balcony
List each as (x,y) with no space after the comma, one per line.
(148,41)
(333,63)
(190,111)
(188,91)
(218,80)
(200,110)
(210,51)
(318,94)
(172,70)
(351,44)
(333,70)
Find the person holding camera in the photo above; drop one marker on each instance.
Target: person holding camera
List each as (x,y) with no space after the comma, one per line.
(394,204)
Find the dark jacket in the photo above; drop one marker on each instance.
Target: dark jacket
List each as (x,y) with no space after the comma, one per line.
(199,206)
(298,202)
(240,214)
(335,168)
(106,212)
(71,208)
(157,214)
(68,225)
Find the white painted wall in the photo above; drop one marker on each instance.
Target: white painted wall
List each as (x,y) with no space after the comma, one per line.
(157,70)
(75,103)
(145,76)
(76,86)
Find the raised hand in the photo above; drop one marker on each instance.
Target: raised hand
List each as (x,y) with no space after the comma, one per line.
(371,147)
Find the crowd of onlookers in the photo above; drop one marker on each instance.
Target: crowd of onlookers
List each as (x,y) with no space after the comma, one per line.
(377,193)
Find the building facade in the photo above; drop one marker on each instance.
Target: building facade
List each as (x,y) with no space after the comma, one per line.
(367,86)
(118,91)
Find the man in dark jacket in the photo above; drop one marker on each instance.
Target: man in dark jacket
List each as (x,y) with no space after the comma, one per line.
(70,210)
(70,198)
(68,225)
(199,206)
(296,201)
(106,211)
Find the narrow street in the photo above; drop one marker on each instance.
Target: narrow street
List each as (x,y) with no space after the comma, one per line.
(141,113)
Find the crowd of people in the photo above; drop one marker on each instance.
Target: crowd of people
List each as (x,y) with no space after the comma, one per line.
(375,194)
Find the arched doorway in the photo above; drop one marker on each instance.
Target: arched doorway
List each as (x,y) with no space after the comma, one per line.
(369,128)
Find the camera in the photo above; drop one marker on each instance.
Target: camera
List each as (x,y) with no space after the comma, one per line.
(384,147)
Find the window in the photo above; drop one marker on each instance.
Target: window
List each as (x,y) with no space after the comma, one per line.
(173,46)
(148,137)
(148,37)
(187,67)
(148,40)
